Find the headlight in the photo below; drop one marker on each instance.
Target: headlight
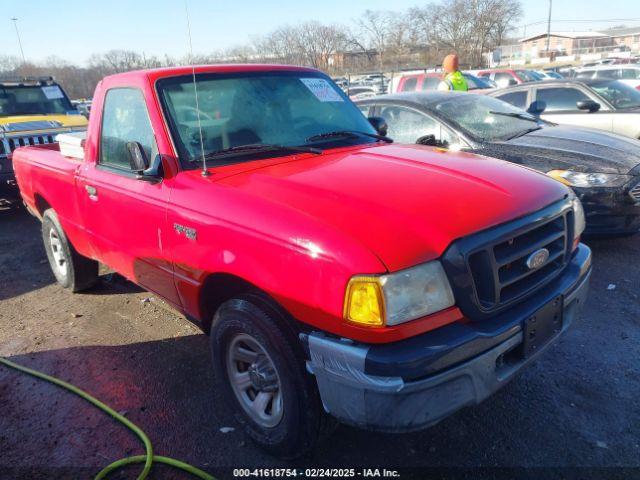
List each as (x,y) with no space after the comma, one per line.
(398,297)
(579,222)
(581,179)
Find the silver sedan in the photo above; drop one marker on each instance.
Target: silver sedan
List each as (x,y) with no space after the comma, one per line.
(603,104)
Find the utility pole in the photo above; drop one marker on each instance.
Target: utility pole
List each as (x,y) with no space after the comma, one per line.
(15,25)
(549,28)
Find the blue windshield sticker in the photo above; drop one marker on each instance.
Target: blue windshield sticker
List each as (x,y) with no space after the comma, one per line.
(322,89)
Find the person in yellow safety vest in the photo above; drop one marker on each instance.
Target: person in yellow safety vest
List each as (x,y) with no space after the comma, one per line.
(452,78)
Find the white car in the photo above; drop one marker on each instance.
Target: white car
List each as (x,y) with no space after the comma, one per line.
(629,74)
(604,104)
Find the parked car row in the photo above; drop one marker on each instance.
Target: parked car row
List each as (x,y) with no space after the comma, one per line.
(602,168)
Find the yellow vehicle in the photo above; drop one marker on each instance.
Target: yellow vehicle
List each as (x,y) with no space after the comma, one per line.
(32,111)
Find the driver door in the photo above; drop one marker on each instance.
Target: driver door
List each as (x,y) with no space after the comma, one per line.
(125,217)
(562,108)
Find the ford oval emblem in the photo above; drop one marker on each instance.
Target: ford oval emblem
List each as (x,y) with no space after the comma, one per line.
(537,259)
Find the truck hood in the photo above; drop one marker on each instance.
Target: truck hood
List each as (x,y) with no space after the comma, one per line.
(406,204)
(575,148)
(31,123)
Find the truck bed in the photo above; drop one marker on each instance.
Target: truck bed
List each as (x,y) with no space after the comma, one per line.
(43,169)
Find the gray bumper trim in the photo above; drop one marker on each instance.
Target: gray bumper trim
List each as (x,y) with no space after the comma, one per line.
(390,404)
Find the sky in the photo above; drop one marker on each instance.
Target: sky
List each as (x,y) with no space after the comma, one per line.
(74,29)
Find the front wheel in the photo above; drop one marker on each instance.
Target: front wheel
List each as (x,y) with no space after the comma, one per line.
(72,270)
(260,373)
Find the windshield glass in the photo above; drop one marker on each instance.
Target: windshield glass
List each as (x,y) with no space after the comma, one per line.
(33,100)
(473,114)
(275,108)
(618,94)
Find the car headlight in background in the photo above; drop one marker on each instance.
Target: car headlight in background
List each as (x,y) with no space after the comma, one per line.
(582,179)
(378,301)
(579,220)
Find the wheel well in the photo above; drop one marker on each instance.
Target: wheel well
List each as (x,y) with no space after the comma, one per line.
(220,287)
(41,204)
(217,289)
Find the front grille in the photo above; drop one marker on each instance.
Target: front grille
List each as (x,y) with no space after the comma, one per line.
(489,271)
(9,144)
(500,273)
(635,192)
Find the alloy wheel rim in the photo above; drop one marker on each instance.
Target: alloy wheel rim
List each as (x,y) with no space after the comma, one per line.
(59,259)
(255,380)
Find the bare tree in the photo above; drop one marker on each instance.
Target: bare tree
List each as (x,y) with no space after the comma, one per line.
(372,32)
(467,27)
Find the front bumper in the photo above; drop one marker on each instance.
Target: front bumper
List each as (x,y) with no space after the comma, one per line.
(415,383)
(609,211)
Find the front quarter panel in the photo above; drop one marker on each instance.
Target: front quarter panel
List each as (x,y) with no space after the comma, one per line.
(303,265)
(627,124)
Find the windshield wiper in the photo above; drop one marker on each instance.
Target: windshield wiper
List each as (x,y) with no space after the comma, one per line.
(347,133)
(521,116)
(524,132)
(261,147)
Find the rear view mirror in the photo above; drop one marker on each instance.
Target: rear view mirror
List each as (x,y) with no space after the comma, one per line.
(589,105)
(380,124)
(537,107)
(137,157)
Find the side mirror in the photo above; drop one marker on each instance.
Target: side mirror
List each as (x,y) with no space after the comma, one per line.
(589,105)
(148,172)
(380,124)
(511,82)
(537,107)
(137,157)
(429,140)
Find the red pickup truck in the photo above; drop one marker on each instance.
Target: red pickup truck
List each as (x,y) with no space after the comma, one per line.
(338,275)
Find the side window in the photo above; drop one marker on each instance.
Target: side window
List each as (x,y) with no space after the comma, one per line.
(124,119)
(608,73)
(409,84)
(430,83)
(630,74)
(517,99)
(407,125)
(558,99)
(586,74)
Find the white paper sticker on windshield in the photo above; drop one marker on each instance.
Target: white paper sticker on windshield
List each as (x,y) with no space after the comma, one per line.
(323,90)
(52,92)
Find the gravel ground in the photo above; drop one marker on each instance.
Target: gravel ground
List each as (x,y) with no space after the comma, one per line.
(575,410)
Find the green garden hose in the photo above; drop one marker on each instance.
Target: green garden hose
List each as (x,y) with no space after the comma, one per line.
(148,458)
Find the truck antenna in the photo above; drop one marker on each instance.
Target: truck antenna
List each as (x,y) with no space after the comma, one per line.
(205,173)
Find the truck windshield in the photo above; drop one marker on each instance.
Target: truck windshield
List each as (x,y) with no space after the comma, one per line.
(272,108)
(484,118)
(33,100)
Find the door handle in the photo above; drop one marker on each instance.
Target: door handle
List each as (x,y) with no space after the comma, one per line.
(91,190)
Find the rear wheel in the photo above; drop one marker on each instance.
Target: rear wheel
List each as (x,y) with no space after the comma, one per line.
(72,270)
(259,371)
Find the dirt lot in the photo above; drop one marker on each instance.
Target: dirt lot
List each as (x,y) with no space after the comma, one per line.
(576,407)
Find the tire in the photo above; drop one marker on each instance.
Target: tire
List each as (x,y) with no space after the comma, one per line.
(72,270)
(248,323)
